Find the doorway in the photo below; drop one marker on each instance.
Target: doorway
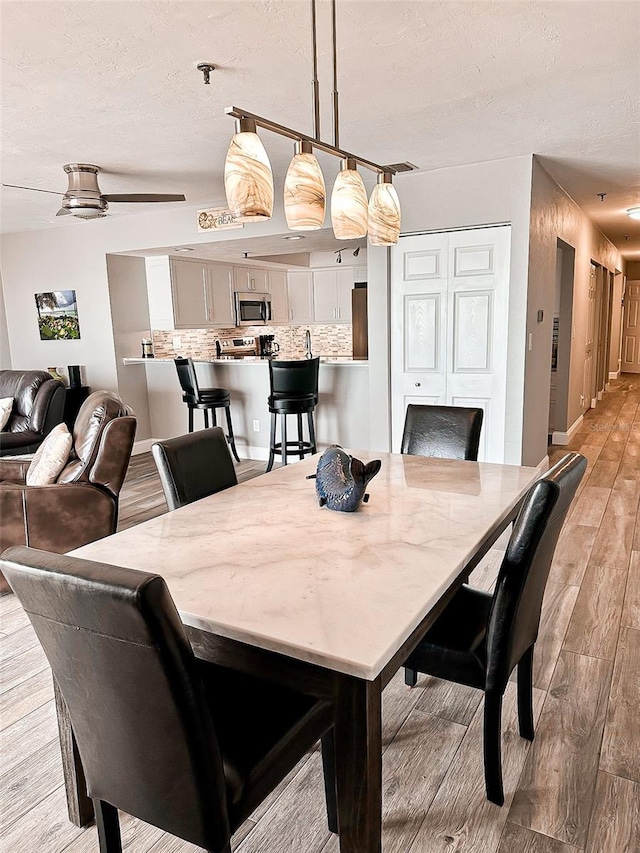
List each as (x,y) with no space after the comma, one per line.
(561,341)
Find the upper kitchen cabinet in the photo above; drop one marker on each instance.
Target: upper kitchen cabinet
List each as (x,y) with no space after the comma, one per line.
(278,288)
(332,295)
(251,278)
(300,286)
(185,294)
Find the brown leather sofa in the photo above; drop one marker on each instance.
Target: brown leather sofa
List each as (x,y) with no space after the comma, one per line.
(82,505)
(38,405)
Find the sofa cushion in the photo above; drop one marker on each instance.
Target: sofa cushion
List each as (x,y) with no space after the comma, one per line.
(50,457)
(6,405)
(19,442)
(22,385)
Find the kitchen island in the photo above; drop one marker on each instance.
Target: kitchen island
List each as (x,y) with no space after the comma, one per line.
(341,416)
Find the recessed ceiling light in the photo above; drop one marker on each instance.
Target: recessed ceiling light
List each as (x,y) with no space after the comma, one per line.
(634,212)
(183,249)
(293,237)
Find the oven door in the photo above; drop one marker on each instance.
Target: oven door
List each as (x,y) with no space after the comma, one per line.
(252,308)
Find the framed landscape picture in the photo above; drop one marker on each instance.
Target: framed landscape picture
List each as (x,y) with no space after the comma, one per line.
(58,315)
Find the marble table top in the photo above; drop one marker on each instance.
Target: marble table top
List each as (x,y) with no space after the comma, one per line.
(264,564)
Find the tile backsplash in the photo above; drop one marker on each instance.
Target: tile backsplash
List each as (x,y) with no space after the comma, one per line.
(201,343)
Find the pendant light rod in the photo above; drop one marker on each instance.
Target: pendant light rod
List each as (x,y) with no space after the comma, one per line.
(334,94)
(315,84)
(281,130)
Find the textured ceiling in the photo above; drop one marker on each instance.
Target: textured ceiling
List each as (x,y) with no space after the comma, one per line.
(437,83)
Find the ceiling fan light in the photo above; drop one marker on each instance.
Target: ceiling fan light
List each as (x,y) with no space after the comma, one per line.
(384,213)
(634,212)
(349,203)
(304,190)
(248,179)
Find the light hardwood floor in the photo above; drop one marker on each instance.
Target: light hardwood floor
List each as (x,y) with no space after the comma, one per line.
(577,787)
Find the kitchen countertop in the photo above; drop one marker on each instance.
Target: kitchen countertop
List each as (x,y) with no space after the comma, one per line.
(249,359)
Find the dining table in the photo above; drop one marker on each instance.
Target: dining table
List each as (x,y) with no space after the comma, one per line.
(330,603)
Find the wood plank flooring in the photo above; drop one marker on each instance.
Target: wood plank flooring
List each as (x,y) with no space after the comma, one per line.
(576,788)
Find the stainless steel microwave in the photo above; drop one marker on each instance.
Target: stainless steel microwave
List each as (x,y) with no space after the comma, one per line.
(252,308)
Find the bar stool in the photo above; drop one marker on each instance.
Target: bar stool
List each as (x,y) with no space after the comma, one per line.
(294,391)
(207,399)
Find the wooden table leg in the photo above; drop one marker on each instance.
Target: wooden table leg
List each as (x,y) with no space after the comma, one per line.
(79,804)
(358,743)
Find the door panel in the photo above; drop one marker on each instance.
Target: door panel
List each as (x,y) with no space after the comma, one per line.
(449,312)
(631,328)
(588,377)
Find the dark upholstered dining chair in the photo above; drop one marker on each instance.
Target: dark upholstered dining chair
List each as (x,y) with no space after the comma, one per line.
(193,466)
(479,638)
(446,432)
(207,399)
(189,747)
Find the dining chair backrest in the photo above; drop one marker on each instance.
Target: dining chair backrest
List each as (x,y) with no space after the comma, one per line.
(294,378)
(193,466)
(446,432)
(126,671)
(188,379)
(514,617)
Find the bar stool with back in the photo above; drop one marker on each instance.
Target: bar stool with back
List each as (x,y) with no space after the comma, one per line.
(294,391)
(207,399)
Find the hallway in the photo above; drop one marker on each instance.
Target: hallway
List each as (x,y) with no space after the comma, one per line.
(576,788)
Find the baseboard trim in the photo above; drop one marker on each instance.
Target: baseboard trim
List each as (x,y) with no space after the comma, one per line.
(543,465)
(142,446)
(614,374)
(565,437)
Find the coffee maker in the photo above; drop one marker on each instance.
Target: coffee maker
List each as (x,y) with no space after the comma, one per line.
(267,346)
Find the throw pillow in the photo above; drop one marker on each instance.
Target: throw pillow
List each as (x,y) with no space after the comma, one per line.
(6,406)
(50,457)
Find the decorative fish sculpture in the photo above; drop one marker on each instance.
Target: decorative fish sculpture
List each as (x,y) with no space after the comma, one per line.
(341,479)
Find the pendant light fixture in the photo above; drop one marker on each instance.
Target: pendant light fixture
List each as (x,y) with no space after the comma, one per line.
(634,212)
(384,213)
(349,203)
(304,190)
(248,179)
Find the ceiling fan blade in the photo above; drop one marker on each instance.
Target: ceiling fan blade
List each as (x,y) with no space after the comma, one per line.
(33,189)
(63,212)
(143,197)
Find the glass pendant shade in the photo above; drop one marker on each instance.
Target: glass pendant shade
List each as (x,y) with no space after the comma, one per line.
(349,203)
(304,190)
(384,213)
(248,180)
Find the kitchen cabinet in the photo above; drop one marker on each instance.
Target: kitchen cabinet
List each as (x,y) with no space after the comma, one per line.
(251,278)
(278,288)
(332,295)
(185,294)
(300,287)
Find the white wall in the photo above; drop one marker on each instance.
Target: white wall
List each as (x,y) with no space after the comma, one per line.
(555,215)
(5,351)
(72,256)
(130,323)
(462,197)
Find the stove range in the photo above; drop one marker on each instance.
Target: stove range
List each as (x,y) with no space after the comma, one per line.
(236,347)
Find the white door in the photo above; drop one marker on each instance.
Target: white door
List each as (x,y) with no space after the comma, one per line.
(189,290)
(300,296)
(450,297)
(344,286)
(220,295)
(631,329)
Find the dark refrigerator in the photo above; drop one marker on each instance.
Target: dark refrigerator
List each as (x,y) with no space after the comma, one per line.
(359,321)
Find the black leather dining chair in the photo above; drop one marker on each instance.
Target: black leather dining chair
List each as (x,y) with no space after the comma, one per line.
(294,391)
(479,638)
(206,399)
(446,432)
(194,466)
(189,747)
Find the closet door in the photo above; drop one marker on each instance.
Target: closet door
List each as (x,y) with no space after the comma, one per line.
(419,271)
(449,314)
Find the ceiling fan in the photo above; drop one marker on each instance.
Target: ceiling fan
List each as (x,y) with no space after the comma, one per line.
(83,198)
